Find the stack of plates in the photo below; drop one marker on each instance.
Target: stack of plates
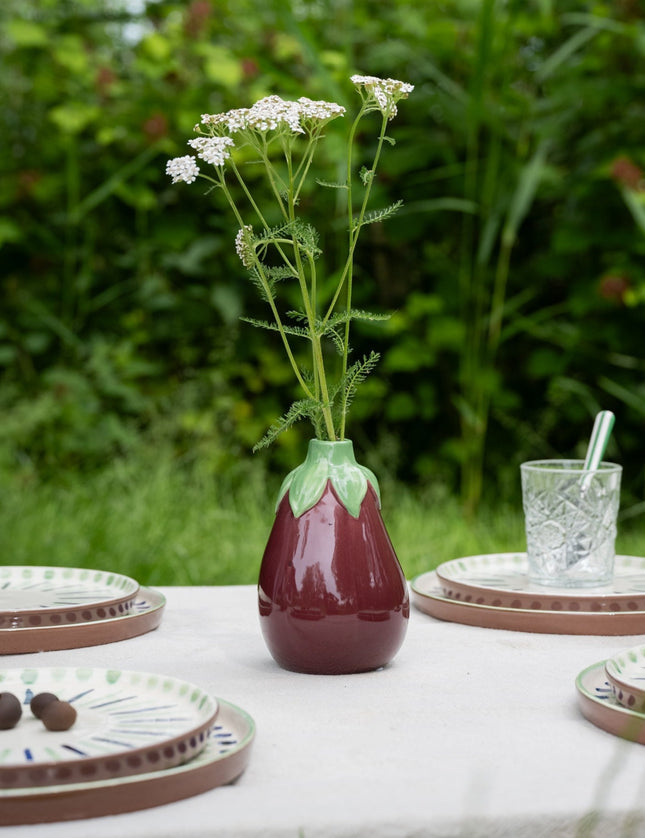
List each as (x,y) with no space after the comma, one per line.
(611,694)
(139,740)
(48,608)
(626,674)
(493,591)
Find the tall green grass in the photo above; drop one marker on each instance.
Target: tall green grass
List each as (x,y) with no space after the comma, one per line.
(167,523)
(163,523)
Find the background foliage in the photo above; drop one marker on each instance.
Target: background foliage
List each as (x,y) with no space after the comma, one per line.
(515,270)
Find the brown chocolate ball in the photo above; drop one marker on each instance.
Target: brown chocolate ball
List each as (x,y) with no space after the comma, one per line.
(10,711)
(58,715)
(40,701)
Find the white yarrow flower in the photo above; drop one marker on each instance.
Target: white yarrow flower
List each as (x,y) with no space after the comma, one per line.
(235,120)
(272,112)
(385,92)
(182,169)
(213,150)
(319,110)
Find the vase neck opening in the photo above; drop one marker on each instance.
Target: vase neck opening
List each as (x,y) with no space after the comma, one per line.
(335,452)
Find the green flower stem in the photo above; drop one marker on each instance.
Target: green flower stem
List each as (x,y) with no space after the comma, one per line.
(267,290)
(303,169)
(354,232)
(248,194)
(273,179)
(355,227)
(310,303)
(297,270)
(261,218)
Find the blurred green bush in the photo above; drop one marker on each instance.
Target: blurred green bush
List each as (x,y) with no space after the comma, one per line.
(515,270)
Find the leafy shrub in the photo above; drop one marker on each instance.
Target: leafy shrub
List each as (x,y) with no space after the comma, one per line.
(514,271)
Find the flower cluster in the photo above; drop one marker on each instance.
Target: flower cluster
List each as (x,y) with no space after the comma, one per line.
(213,150)
(182,168)
(289,249)
(273,113)
(385,92)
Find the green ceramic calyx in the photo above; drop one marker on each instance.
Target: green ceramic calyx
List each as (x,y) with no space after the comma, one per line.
(325,461)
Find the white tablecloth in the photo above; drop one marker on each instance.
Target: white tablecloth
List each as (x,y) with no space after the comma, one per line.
(469,732)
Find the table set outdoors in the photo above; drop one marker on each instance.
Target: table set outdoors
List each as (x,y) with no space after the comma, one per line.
(469,731)
(515,706)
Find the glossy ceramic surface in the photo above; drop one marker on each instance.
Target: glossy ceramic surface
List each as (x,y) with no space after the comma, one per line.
(501,580)
(599,705)
(223,759)
(52,596)
(626,674)
(145,615)
(127,723)
(428,596)
(332,596)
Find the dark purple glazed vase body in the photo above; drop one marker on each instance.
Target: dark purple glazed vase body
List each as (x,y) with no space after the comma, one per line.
(332,596)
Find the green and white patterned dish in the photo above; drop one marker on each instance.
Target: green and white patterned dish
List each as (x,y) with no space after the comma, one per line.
(52,596)
(224,758)
(599,705)
(626,674)
(428,596)
(144,615)
(501,580)
(128,723)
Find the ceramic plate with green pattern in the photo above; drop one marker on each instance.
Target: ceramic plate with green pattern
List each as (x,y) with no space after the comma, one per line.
(626,674)
(598,704)
(144,615)
(52,596)
(428,596)
(501,580)
(127,723)
(224,758)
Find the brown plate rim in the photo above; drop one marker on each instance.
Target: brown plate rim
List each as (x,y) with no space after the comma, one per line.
(623,687)
(125,758)
(140,791)
(84,612)
(28,639)
(576,599)
(606,712)
(604,623)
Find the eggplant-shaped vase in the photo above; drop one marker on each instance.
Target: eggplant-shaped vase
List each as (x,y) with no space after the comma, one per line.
(332,596)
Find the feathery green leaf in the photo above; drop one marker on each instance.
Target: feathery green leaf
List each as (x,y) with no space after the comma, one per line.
(331,184)
(301,409)
(298,331)
(378,215)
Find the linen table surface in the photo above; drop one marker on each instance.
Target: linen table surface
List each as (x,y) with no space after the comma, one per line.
(469,732)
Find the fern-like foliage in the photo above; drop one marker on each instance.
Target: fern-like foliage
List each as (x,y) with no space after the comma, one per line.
(301,409)
(374,216)
(279,272)
(301,233)
(355,314)
(297,331)
(332,328)
(264,287)
(306,235)
(357,373)
(331,184)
